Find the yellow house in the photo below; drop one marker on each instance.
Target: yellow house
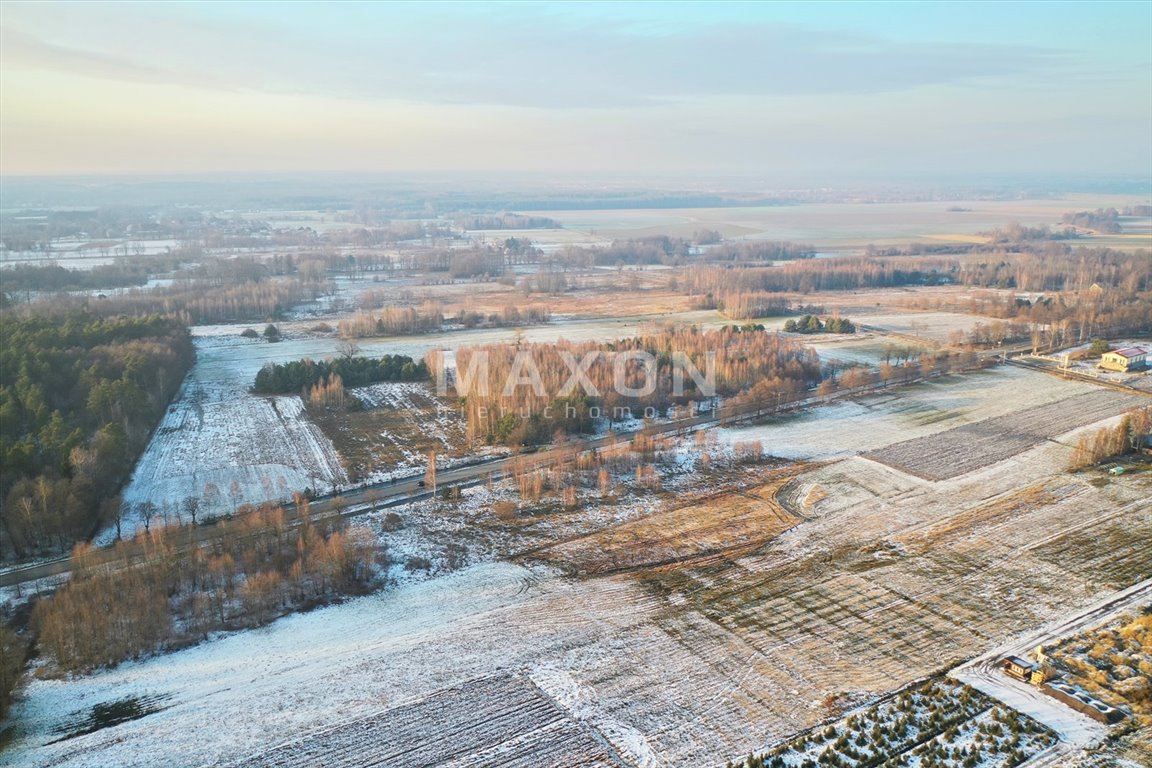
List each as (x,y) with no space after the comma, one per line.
(1127,359)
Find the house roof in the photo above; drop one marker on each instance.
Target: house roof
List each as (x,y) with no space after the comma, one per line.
(1130,352)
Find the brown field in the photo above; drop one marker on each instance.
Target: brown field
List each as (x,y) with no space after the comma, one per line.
(723,526)
(972,446)
(394,432)
(1113,662)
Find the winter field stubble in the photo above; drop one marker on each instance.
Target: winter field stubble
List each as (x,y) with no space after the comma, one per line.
(886,577)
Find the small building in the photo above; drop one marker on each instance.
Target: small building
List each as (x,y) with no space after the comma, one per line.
(1019,668)
(1124,360)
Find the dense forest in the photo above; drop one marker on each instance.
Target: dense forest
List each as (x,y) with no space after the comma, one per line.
(526,414)
(354,371)
(79,397)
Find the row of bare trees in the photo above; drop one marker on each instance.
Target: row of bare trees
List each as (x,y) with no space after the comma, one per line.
(176,593)
(1105,443)
(526,393)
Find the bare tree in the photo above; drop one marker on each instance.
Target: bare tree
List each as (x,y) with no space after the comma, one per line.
(347,349)
(191,507)
(147,511)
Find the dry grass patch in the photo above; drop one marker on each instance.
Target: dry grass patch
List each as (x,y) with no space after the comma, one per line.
(815,495)
(1114,553)
(965,523)
(717,528)
(1113,663)
(399,426)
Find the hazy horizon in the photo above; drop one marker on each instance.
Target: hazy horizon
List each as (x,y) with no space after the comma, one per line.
(785,91)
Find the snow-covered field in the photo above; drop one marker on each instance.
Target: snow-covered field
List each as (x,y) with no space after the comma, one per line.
(886,579)
(317,670)
(227,447)
(495,722)
(846,428)
(934,326)
(220,443)
(423,423)
(968,447)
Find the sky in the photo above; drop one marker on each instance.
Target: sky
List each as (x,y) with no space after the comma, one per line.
(744,89)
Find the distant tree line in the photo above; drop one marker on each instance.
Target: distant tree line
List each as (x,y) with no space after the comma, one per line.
(192,302)
(756,250)
(394,321)
(509,315)
(1017,235)
(79,398)
(743,305)
(508,221)
(21,278)
(663,249)
(1052,267)
(298,375)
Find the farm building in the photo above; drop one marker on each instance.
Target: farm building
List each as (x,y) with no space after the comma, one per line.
(1127,359)
(1083,702)
(1019,668)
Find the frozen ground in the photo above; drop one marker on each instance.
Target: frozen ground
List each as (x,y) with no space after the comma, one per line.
(971,446)
(886,579)
(846,428)
(932,326)
(313,671)
(225,446)
(496,722)
(1075,729)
